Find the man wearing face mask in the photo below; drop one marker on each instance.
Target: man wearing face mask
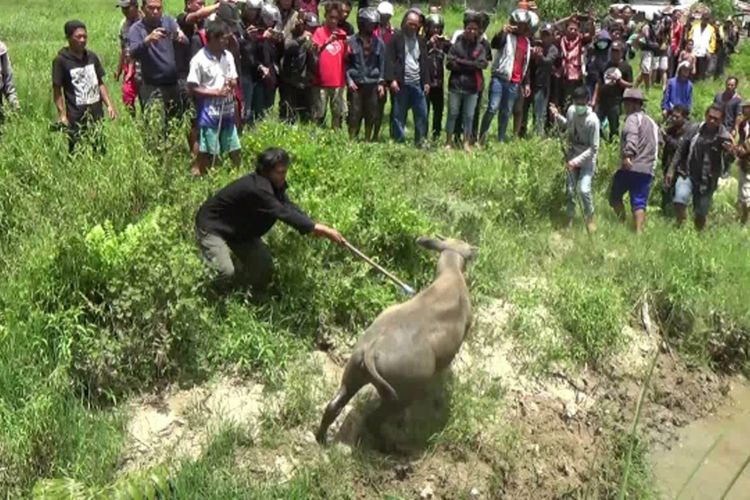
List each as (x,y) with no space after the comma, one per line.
(698,164)
(582,127)
(639,150)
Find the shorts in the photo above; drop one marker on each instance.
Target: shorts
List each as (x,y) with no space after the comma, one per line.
(660,63)
(213,143)
(683,191)
(637,184)
(743,191)
(647,61)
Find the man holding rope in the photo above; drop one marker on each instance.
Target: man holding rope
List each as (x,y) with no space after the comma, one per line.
(582,127)
(212,79)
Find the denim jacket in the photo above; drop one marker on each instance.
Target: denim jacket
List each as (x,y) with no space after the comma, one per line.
(361,69)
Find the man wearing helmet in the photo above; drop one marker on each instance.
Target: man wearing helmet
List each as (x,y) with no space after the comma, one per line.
(248,66)
(509,72)
(407,71)
(268,53)
(385,30)
(365,66)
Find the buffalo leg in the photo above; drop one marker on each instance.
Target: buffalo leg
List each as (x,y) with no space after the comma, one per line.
(388,408)
(345,393)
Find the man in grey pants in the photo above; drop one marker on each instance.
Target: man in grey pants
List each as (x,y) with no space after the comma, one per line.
(230,224)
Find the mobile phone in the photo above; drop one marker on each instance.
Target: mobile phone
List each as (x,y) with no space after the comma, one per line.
(341,36)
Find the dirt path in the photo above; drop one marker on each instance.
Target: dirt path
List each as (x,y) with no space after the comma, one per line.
(730,425)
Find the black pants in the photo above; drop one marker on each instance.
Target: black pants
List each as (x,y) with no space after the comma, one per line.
(295,103)
(459,130)
(701,67)
(436,104)
(568,86)
(169,96)
(363,104)
(610,111)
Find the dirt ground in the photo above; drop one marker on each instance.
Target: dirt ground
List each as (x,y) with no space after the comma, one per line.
(555,432)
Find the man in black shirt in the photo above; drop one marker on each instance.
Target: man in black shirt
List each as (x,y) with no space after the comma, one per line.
(77,86)
(230,224)
(617,76)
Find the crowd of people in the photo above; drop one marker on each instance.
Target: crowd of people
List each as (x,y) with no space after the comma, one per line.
(224,64)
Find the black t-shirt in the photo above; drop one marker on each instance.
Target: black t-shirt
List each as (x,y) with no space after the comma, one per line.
(79,78)
(612,94)
(248,208)
(184,52)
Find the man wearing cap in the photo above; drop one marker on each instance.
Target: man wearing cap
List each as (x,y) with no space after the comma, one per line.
(126,66)
(78,87)
(679,90)
(151,41)
(610,87)
(407,72)
(582,127)
(697,167)
(385,31)
(639,151)
(544,56)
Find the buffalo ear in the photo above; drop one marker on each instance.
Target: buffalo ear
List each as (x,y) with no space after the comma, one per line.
(430,244)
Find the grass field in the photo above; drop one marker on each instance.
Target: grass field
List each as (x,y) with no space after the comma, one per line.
(103,296)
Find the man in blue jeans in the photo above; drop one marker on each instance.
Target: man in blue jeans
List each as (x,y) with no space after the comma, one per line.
(407,72)
(509,72)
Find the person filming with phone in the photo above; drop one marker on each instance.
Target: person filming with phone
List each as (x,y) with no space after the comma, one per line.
(152,42)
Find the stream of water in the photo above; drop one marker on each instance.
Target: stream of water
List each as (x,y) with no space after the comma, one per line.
(731,425)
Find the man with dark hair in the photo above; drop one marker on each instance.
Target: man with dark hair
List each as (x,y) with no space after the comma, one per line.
(330,41)
(126,66)
(407,71)
(678,127)
(544,56)
(742,152)
(151,42)
(212,80)
(365,68)
(610,87)
(639,151)
(230,224)
(698,164)
(298,67)
(78,87)
(344,24)
(730,101)
(582,128)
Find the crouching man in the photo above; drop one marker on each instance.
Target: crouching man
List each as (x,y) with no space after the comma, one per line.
(230,224)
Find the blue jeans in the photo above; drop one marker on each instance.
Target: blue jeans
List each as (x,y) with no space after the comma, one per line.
(466,103)
(503,96)
(541,101)
(580,180)
(410,96)
(247,98)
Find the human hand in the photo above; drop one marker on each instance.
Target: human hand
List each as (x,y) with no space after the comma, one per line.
(156,35)
(353,87)
(627,163)
(426,89)
(264,71)
(381,91)
(553,109)
(570,165)
(112,112)
(668,179)
(526,90)
(64,120)
(329,233)
(394,87)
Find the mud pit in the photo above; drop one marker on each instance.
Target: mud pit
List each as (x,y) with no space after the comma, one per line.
(543,437)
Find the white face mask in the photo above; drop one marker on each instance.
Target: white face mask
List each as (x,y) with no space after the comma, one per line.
(581,109)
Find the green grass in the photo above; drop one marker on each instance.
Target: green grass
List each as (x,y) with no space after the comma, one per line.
(103,295)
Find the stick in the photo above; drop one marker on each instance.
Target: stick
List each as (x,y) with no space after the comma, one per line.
(406,288)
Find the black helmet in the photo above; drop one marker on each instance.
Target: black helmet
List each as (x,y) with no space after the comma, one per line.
(368,15)
(434,20)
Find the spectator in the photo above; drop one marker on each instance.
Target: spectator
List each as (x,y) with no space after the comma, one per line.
(697,166)
(678,127)
(310,6)
(742,152)
(598,59)
(509,72)
(572,49)
(126,67)
(268,51)
(346,10)
(582,127)
(437,46)
(298,67)
(330,81)
(615,79)
(703,36)
(628,22)
(365,70)
(650,50)
(467,59)
(679,91)
(687,55)
(288,16)
(660,68)
(151,42)
(543,59)
(191,22)
(252,28)
(730,102)
(677,32)
(212,79)
(7,83)
(385,30)
(407,72)
(229,225)
(639,150)
(78,88)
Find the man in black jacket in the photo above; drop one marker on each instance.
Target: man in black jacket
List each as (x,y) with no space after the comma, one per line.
(230,224)
(407,71)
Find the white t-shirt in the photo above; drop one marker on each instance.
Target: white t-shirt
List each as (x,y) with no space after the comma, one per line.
(211,72)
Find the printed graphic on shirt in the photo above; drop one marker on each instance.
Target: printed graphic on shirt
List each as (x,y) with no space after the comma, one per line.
(86,85)
(334,48)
